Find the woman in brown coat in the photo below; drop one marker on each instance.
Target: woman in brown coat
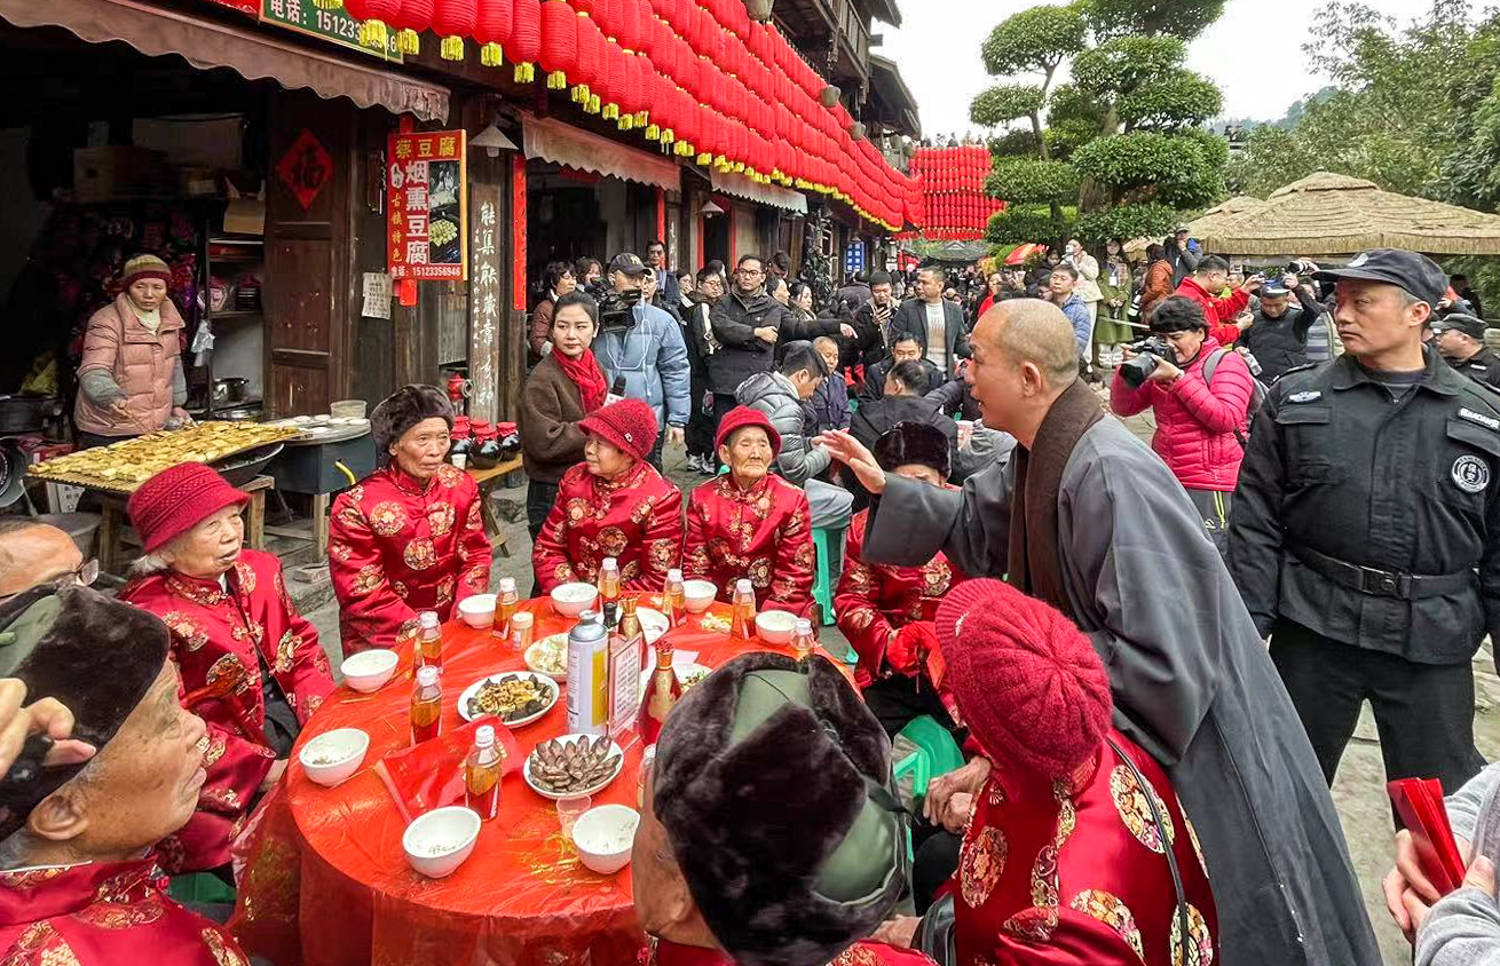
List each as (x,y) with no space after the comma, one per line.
(130,381)
(1158,281)
(565,386)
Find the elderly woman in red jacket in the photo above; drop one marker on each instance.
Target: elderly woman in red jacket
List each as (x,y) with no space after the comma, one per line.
(886,611)
(250,665)
(750,523)
(613,504)
(408,537)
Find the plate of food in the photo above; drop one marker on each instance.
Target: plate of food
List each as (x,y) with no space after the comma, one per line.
(515,697)
(573,765)
(549,656)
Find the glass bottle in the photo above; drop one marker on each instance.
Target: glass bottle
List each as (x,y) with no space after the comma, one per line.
(803,641)
(662,692)
(426,705)
(626,643)
(482,774)
(506,602)
(522,627)
(609,591)
(742,623)
(674,599)
(429,640)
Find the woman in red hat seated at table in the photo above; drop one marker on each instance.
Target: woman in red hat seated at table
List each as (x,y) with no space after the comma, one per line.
(250,665)
(1072,835)
(886,611)
(750,523)
(408,537)
(614,504)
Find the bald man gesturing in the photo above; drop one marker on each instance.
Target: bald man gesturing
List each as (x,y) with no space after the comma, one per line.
(1087,518)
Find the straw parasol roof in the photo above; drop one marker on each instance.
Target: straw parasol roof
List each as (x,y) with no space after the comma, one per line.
(1333,214)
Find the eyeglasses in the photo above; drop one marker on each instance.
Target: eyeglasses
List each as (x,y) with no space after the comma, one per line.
(83,575)
(749,272)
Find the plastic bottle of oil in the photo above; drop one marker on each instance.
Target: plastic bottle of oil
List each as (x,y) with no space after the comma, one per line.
(742,624)
(482,774)
(426,705)
(429,640)
(506,602)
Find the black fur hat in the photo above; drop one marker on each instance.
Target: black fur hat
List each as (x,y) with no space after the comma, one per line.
(96,655)
(402,410)
(910,442)
(772,779)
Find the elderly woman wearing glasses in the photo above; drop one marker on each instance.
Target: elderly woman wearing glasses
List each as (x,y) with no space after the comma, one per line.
(250,665)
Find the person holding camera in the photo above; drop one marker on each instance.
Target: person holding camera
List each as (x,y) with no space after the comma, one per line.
(643,345)
(1197,419)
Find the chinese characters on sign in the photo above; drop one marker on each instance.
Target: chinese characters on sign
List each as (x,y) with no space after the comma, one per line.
(484,296)
(305,168)
(427,237)
(333,24)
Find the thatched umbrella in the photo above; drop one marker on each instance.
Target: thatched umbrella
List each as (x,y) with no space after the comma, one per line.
(1332,214)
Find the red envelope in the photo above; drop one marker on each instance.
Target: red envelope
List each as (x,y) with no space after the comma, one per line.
(431,774)
(1419,802)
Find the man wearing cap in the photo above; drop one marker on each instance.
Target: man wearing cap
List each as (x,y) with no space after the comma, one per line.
(408,537)
(1460,338)
(614,504)
(886,611)
(769,835)
(1086,517)
(642,344)
(80,882)
(249,663)
(749,523)
(1365,532)
(1277,334)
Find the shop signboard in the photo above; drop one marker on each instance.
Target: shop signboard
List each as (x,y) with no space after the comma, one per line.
(428,227)
(249,7)
(332,25)
(854,257)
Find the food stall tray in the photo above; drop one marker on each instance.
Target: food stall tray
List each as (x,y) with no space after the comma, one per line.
(124,466)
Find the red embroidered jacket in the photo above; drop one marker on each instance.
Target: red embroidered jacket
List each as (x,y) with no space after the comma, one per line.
(874,601)
(763,533)
(216,633)
(1076,871)
(397,547)
(104,914)
(635,518)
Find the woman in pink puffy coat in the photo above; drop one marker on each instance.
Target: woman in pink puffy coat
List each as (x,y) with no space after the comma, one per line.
(1199,424)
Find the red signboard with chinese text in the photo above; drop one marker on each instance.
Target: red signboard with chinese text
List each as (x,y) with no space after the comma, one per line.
(427,233)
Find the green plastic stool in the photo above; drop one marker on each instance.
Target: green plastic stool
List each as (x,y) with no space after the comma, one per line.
(202,887)
(936,754)
(823,538)
(912,764)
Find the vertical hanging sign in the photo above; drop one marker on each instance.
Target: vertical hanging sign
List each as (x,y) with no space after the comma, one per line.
(427,237)
(484,306)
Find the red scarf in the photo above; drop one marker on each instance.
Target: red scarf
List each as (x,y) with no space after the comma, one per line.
(587,376)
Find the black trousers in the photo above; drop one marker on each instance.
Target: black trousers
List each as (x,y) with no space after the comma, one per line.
(722,405)
(1424,713)
(897,699)
(539,499)
(701,425)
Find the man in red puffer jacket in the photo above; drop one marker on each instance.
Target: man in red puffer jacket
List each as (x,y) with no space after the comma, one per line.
(1197,422)
(1206,285)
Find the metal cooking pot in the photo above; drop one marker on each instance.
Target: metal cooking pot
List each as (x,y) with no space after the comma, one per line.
(230,390)
(26,414)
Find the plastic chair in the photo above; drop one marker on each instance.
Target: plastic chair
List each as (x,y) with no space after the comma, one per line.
(201,887)
(936,754)
(823,540)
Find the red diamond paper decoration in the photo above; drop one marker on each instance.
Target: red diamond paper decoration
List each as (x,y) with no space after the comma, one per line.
(305,168)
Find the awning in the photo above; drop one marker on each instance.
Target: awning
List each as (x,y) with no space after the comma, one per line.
(551,140)
(895,107)
(767,194)
(157,31)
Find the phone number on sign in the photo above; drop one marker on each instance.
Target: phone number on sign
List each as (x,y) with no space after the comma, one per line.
(338,26)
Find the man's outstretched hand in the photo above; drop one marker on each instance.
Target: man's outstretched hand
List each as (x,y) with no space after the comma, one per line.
(853,454)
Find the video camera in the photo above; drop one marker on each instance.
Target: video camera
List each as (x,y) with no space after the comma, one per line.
(1149,351)
(616,309)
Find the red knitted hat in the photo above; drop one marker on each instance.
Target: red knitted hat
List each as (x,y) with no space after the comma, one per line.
(629,424)
(1026,680)
(741,416)
(177,499)
(145,266)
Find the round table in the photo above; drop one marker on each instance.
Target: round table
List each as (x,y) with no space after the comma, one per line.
(522,897)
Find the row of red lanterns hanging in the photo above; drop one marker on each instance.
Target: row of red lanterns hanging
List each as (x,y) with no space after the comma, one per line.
(954,203)
(696,76)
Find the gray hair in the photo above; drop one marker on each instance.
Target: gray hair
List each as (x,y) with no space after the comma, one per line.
(148,564)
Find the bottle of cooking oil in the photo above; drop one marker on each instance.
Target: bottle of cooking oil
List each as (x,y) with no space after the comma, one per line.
(426,705)
(482,774)
(429,640)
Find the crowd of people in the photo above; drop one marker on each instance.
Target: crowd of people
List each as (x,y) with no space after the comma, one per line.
(1151,707)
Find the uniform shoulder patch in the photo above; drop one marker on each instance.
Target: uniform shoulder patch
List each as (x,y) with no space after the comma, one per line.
(1488,422)
(1304,396)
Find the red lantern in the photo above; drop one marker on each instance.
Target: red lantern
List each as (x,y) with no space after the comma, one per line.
(453,20)
(416,16)
(375,18)
(559,54)
(526,39)
(492,31)
(589,60)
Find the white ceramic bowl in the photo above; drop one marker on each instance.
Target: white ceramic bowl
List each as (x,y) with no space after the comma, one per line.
(775,626)
(570,600)
(369,670)
(478,611)
(604,837)
(437,843)
(699,595)
(334,755)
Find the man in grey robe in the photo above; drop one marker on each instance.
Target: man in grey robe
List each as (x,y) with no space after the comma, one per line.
(1121,549)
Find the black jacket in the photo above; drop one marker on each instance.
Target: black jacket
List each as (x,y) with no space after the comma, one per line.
(876,417)
(735,319)
(912,317)
(697,335)
(868,345)
(874,384)
(1483,366)
(1281,344)
(1337,478)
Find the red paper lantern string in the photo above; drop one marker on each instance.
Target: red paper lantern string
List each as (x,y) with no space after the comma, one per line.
(375,18)
(492,31)
(559,43)
(416,16)
(453,20)
(589,60)
(526,39)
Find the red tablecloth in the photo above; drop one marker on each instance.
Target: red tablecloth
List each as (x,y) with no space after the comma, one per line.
(326,871)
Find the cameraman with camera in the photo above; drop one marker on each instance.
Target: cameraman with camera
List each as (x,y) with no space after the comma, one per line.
(1198,421)
(642,344)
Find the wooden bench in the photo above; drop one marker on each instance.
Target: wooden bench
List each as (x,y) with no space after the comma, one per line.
(488,480)
(112,525)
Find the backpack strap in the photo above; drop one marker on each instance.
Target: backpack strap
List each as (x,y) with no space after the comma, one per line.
(1210,365)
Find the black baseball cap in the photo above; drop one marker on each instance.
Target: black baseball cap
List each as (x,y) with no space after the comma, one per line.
(630,263)
(1419,275)
(1272,287)
(1467,324)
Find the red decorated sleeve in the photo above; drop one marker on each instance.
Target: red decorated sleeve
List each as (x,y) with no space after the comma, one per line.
(695,561)
(235,764)
(474,550)
(794,557)
(661,541)
(549,554)
(373,615)
(312,681)
(856,605)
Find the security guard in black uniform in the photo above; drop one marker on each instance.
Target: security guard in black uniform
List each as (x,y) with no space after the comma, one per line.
(1460,338)
(1365,532)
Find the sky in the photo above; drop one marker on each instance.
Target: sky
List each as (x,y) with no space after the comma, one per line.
(937,48)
